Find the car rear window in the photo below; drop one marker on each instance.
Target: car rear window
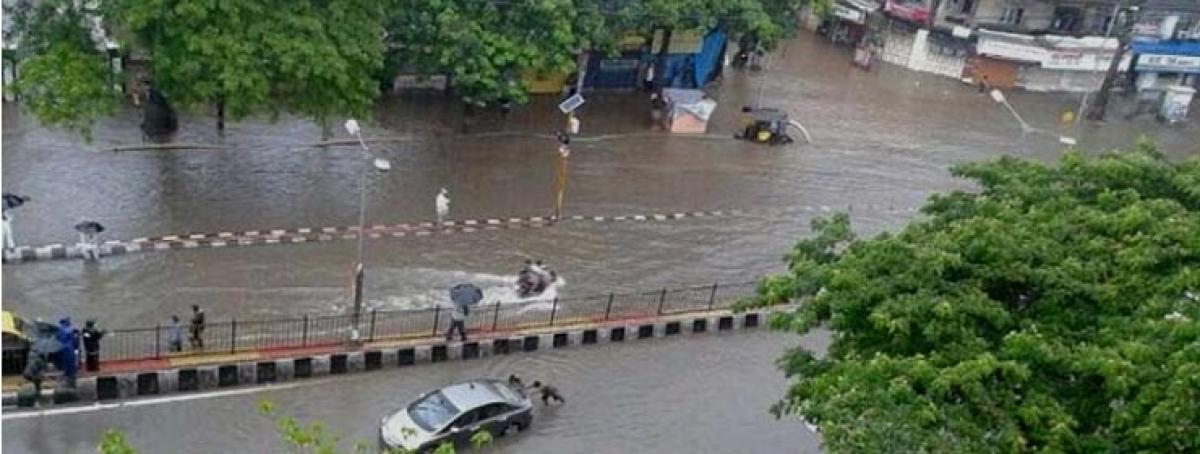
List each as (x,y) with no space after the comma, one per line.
(432,412)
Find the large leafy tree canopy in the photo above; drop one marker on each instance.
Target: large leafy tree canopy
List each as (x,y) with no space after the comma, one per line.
(314,57)
(322,58)
(64,77)
(1055,309)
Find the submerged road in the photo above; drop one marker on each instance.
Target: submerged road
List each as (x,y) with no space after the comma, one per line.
(705,394)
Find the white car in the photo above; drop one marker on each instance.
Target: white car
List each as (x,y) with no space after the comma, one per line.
(454,413)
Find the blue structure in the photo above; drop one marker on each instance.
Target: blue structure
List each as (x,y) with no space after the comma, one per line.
(695,70)
(1162,64)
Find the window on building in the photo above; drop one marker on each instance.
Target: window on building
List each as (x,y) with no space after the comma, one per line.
(1012,15)
(1066,19)
(967,6)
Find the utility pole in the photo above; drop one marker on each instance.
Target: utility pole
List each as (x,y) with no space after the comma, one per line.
(1099,109)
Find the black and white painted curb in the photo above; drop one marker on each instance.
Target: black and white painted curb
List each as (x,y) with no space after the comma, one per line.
(107,388)
(321,234)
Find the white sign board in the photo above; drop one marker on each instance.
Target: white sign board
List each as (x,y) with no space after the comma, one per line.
(1011,51)
(850,14)
(1169,63)
(960,32)
(570,104)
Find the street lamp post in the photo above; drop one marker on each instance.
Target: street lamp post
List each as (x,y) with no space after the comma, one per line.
(381,165)
(998,96)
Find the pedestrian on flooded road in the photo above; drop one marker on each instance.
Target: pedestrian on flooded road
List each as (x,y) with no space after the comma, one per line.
(68,355)
(548,392)
(441,205)
(91,344)
(458,321)
(197,337)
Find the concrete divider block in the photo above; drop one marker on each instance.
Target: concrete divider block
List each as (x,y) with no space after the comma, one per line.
(283,370)
(188,380)
(247,373)
(454,351)
(86,388)
(372,360)
(128,385)
(645,331)
(168,381)
(355,362)
(406,357)
(589,337)
(390,357)
(64,395)
(147,384)
(227,375)
(575,337)
(321,365)
(751,319)
(438,353)
(264,372)
(672,328)
(725,323)
(302,367)
(560,340)
(424,354)
(209,378)
(470,350)
(546,340)
(530,343)
(501,346)
(616,334)
(338,364)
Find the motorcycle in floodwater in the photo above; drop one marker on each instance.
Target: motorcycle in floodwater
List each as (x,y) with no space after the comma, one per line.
(535,280)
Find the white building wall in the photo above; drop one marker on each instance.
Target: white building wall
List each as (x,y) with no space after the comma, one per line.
(1036,78)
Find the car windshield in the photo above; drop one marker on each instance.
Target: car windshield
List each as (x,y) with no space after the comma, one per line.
(433,411)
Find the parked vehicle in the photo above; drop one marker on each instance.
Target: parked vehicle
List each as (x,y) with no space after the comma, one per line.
(16,343)
(456,412)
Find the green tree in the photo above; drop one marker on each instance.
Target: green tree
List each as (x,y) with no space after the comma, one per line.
(1055,309)
(315,58)
(482,45)
(63,77)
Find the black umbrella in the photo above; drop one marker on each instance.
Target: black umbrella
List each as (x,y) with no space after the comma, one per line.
(44,338)
(12,200)
(89,227)
(466,294)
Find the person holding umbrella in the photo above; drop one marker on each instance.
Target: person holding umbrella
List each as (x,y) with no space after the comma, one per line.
(88,246)
(10,201)
(463,296)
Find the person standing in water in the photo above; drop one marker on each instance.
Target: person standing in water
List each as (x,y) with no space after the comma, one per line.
(442,205)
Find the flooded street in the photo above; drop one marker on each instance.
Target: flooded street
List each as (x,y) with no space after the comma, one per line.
(883,143)
(615,404)
(883,139)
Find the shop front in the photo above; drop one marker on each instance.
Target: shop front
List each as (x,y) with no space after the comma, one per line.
(1041,63)
(1166,63)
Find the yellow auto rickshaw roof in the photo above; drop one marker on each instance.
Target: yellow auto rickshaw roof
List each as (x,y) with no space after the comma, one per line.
(9,323)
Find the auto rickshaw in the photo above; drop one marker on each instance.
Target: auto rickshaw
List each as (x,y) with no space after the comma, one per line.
(16,343)
(767,126)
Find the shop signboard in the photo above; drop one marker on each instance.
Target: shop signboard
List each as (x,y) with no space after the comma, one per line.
(1169,63)
(1011,51)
